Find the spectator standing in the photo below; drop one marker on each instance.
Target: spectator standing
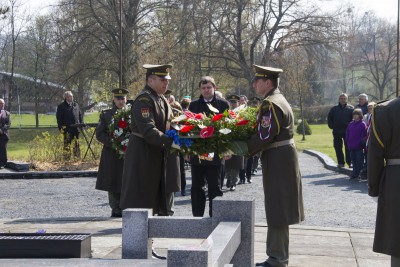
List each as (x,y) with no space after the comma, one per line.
(5,124)
(383,177)
(144,183)
(282,185)
(68,114)
(206,168)
(246,171)
(363,103)
(355,138)
(338,118)
(109,177)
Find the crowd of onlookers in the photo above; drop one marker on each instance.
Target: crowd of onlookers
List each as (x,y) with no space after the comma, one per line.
(350,128)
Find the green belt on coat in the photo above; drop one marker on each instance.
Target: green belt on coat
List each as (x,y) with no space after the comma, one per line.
(392,162)
(279,144)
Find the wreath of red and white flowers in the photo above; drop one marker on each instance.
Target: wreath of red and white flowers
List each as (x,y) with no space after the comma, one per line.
(120,130)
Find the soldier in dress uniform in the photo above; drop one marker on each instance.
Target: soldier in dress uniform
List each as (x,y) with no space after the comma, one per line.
(281,174)
(144,183)
(109,177)
(384,177)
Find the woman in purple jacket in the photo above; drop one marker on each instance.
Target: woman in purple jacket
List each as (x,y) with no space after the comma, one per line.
(355,136)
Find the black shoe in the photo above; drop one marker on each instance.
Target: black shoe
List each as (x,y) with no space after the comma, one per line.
(233,188)
(241,182)
(249,181)
(264,263)
(228,183)
(156,256)
(183,193)
(340,165)
(116,214)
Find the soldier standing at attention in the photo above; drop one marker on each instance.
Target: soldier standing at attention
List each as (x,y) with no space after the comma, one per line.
(283,197)
(109,177)
(384,177)
(144,182)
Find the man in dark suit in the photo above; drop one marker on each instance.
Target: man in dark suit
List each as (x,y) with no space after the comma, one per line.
(109,177)
(339,117)
(383,177)
(68,114)
(280,167)
(206,168)
(5,124)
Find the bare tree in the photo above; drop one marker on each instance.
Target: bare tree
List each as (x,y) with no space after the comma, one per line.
(377,43)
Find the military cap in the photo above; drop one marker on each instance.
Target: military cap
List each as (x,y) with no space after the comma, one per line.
(254,98)
(233,98)
(266,72)
(118,92)
(159,70)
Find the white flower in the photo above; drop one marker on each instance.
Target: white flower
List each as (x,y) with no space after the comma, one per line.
(180,118)
(225,131)
(212,108)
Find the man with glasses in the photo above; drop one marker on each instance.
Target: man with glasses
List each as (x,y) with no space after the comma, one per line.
(109,177)
(206,168)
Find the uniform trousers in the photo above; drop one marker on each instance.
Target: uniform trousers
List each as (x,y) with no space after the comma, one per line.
(113,200)
(278,245)
(338,141)
(200,174)
(3,152)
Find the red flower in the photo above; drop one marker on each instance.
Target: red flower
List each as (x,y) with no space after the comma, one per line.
(232,113)
(217,117)
(191,115)
(122,124)
(187,128)
(206,132)
(198,116)
(242,122)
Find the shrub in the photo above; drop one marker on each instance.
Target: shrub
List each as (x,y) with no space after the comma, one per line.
(47,147)
(307,128)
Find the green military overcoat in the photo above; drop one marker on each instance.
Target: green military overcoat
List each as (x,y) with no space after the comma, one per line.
(283,197)
(144,182)
(384,180)
(109,177)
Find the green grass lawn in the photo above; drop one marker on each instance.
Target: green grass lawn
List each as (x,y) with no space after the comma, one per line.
(28,120)
(321,140)
(17,147)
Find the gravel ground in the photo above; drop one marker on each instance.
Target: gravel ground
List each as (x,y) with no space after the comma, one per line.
(330,198)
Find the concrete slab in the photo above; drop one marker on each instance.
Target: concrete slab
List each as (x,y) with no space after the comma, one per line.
(319,261)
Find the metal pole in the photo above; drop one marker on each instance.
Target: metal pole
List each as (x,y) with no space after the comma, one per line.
(120,43)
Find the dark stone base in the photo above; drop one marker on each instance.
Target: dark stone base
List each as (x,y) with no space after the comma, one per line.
(45,245)
(19,166)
